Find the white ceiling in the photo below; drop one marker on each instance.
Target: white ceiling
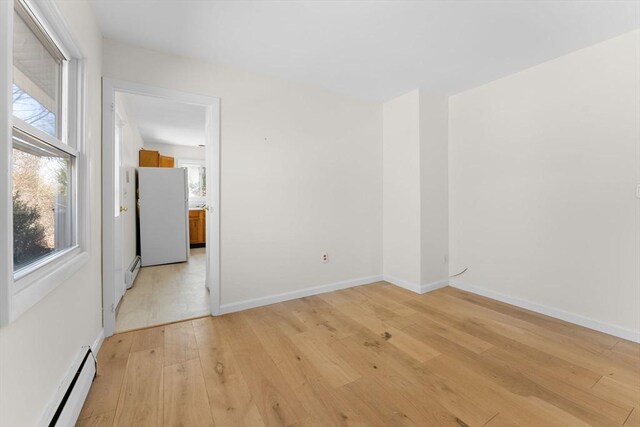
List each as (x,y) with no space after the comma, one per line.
(374,50)
(167,122)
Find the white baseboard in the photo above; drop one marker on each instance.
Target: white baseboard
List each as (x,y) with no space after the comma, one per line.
(405,284)
(74,406)
(577,319)
(95,347)
(414,287)
(286,296)
(428,287)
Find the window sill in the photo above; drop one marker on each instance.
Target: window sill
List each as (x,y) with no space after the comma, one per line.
(36,285)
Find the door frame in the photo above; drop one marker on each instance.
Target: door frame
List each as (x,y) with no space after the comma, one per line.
(212,159)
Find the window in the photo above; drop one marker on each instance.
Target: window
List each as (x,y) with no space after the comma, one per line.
(197,181)
(42,206)
(37,75)
(43,168)
(45,162)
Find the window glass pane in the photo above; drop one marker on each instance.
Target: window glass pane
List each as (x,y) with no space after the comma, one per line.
(42,211)
(36,80)
(197,181)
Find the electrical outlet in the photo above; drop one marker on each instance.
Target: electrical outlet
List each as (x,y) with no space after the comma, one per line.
(325,257)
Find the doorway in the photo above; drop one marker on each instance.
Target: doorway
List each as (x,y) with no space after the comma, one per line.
(160,191)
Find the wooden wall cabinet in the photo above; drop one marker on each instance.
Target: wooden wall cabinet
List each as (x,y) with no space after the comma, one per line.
(197,227)
(149,159)
(153,159)
(166,161)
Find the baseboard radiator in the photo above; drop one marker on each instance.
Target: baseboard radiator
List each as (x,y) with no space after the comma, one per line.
(67,412)
(132,272)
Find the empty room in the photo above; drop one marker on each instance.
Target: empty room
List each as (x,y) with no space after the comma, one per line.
(319,213)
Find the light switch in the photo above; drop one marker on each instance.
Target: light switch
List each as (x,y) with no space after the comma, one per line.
(638,191)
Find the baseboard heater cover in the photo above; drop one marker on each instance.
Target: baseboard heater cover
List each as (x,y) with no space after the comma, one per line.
(68,410)
(132,272)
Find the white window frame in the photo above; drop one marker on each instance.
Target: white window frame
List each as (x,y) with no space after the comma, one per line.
(21,291)
(181,164)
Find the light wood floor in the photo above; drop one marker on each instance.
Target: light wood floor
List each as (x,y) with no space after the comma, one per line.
(372,355)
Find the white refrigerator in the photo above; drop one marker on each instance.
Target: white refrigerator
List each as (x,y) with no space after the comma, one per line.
(163,202)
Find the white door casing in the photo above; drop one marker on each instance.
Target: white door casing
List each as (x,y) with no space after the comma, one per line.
(110,252)
(118,212)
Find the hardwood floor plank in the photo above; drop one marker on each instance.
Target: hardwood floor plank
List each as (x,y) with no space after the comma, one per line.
(629,348)
(580,352)
(398,408)
(317,315)
(115,347)
(335,370)
(279,315)
(368,356)
(100,420)
(559,326)
(105,390)
(615,391)
(334,406)
(185,396)
(521,409)
(378,359)
(230,400)
(146,339)
(580,403)
(574,374)
(344,296)
(500,421)
(179,343)
(140,402)
(276,401)
(292,362)
(519,377)
(634,418)
(415,348)
(237,331)
(452,334)
(498,327)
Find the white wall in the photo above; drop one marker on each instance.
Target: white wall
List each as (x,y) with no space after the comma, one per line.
(301,174)
(434,197)
(177,151)
(401,183)
(130,144)
(37,349)
(543,170)
(415,205)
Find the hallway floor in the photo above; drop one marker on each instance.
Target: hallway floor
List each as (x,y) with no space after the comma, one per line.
(165,293)
(372,355)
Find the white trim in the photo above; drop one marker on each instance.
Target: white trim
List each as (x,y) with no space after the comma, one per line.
(212,215)
(428,287)
(66,381)
(212,135)
(17,296)
(414,287)
(6,204)
(557,313)
(97,343)
(286,296)
(52,276)
(405,284)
